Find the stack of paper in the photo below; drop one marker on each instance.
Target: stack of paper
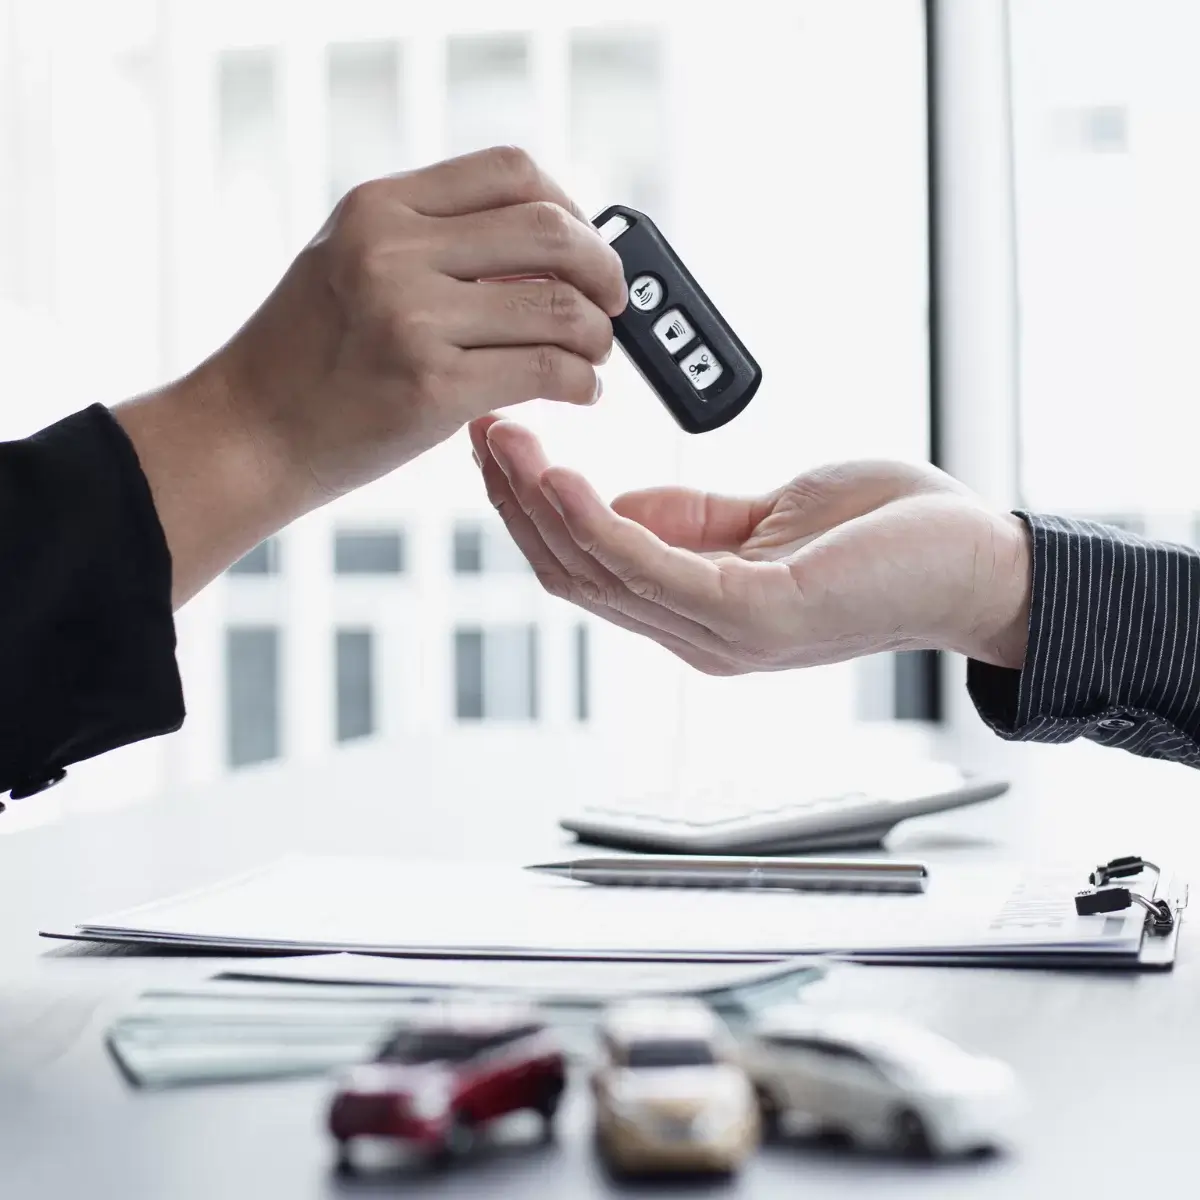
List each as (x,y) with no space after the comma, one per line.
(230,1032)
(310,1015)
(973,913)
(728,987)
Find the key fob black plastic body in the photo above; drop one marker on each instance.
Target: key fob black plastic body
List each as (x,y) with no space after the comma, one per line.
(672,332)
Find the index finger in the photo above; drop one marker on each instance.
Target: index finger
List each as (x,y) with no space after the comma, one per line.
(676,579)
(484,179)
(523,241)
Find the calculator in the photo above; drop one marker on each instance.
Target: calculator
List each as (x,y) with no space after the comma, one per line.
(672,332)
(821,820)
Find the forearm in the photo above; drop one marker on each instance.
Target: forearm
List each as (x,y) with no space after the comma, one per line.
(1114,645)
(218,487)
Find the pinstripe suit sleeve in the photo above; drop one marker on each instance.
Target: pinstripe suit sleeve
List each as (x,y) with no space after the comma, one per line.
(1114,645)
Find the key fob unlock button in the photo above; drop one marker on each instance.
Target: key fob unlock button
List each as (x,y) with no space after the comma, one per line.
(646,293)
(702,367)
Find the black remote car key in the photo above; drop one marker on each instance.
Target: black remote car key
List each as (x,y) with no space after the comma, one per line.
(672,332)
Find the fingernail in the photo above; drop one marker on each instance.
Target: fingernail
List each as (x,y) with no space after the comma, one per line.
(500,458)
(599,389)
(475,457)
(548,490)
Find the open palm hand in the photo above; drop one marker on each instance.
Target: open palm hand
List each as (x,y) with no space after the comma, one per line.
(840,562)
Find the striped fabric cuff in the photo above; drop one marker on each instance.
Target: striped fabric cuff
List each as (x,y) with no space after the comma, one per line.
(1114,645)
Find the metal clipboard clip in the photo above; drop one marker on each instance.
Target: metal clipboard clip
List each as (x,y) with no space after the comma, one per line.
(1104,896)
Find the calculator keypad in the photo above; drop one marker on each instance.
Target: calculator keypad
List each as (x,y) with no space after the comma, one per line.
(722,812)
(714,819)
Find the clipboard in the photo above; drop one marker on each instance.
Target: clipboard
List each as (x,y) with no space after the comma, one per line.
(997,915)
(1156,951)
(1162,892)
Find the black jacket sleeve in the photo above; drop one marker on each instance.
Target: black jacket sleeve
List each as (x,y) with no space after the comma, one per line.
(87,635)
(1114,645)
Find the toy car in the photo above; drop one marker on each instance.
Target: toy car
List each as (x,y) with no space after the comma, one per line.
(878,1080)
(670,1092)
(441,1077)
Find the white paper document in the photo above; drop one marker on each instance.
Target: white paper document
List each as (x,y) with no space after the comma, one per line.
(588,981)
(386,906)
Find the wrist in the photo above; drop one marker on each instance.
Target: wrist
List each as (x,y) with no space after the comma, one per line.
(218,485)
(1000,631)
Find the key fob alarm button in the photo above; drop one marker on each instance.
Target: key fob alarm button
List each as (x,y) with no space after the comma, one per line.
(674,330)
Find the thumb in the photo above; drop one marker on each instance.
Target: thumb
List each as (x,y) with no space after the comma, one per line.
(693,520)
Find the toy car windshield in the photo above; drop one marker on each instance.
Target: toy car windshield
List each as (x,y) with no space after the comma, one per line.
(670,1052)
(415,1048)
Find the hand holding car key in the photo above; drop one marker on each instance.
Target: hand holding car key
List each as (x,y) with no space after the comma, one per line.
(672,332)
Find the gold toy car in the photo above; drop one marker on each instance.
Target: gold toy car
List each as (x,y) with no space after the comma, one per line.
(670,1091)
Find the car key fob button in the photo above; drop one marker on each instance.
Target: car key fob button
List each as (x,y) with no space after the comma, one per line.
(674,330)
(646,293)
(702,368)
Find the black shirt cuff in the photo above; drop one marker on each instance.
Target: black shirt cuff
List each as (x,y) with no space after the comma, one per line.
(87,633)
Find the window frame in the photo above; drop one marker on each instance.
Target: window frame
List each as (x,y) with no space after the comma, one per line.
(357,535)
(236,639)
(344,637)
(246,567)
(973,326)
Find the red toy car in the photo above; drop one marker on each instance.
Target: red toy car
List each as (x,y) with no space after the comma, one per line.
(441,1077)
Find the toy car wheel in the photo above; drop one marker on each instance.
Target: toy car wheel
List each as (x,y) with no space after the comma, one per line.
(547,1105)
(603,1147)
(610,1161)
(344,1164)
(769,1114)
(457,1141)
(910,1135)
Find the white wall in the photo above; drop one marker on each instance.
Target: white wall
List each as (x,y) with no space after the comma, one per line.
(794,187)
(1109,252)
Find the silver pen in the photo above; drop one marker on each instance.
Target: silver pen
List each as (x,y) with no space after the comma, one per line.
(731,871)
